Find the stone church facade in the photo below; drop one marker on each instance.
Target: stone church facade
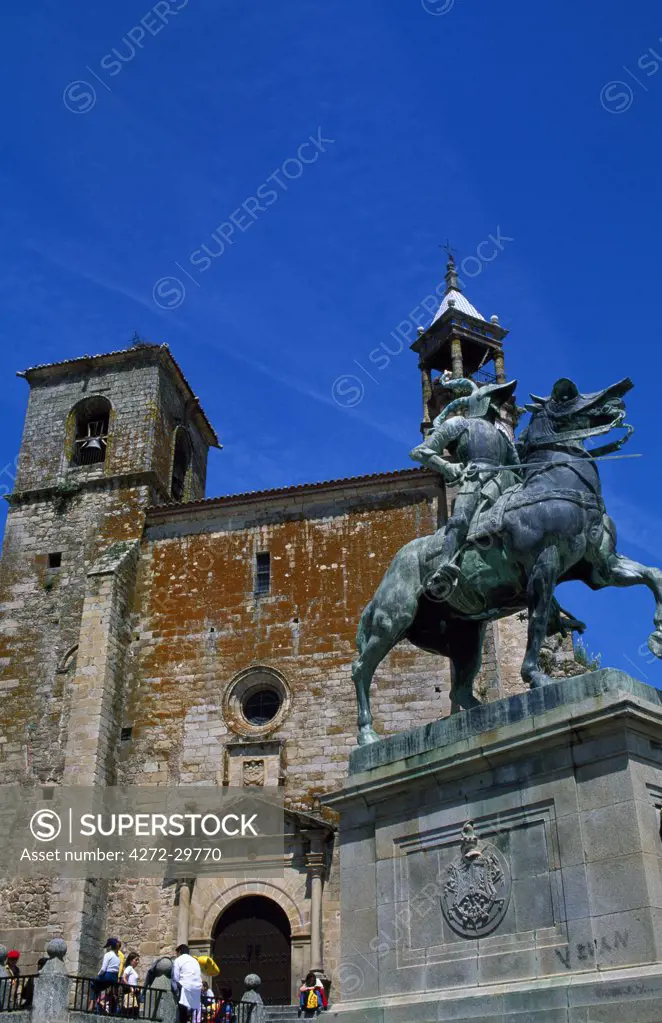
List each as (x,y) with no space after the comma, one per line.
(151,636)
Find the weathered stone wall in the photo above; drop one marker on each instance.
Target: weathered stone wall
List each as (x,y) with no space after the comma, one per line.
(200,624)
(510,644)
(94,727)
(24,903)
(78,512)
(143,913)
(40,630)
(41,615)
(171,413)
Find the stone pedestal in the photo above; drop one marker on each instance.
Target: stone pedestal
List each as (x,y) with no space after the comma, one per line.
(50,1003)
(506,863)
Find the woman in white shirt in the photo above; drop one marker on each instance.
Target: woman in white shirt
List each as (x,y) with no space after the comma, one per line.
(108,976)
(131,1000)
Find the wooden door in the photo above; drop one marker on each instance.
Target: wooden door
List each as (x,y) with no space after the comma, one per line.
(253,936)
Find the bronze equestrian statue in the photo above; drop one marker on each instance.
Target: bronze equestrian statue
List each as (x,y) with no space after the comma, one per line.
(549,528)
(467,429)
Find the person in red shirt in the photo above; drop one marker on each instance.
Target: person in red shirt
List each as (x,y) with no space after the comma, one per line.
(13,957)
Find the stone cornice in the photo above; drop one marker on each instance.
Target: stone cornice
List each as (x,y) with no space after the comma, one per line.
(487,736)
(71,486)
(297,499)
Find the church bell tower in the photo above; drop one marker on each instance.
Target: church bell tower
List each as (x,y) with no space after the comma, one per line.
(459,342)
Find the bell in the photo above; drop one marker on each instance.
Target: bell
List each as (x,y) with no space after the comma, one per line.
(92,449)
(92,444)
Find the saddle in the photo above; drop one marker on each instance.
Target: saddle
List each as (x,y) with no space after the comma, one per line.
(489,522)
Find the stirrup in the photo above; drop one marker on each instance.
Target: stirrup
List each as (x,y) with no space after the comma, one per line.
(444,581)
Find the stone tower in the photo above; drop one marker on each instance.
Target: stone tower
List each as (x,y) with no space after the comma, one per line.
(105,437)
(461,343)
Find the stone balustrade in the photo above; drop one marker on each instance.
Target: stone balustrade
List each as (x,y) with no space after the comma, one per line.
(51,998)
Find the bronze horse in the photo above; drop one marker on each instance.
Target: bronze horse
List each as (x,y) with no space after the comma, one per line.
(550,529)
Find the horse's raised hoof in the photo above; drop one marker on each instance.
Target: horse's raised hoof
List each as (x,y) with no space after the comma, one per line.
(570,625)
(655,643)
(461,701)
(367,735)
(539,679)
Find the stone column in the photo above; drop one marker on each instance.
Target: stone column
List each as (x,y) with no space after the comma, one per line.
(456,358)
(300,960)
(184,889)
(426,383)
(315,866)
(500,368)
(78,907)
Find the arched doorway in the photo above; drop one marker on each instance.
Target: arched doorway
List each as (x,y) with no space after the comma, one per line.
(253,935)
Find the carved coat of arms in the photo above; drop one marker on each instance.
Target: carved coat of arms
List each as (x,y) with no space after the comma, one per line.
(477,892)
(253,772)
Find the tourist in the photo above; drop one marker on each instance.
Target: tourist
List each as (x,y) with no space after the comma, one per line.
(107,977)
(207,1002)
(28,987)
(13,973)
(12,967)
(122,957)
(312,997)
(225,1009)
(131,999)
(187,979)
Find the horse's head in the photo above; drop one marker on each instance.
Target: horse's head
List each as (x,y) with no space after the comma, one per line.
(568,416)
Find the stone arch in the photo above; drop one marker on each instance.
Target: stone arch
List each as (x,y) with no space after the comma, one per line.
(89,425)
(181,461)
(216,905)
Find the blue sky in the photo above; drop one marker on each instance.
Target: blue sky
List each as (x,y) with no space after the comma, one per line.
(131,133)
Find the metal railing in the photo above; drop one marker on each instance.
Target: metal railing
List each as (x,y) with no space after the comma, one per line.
(114,999)
(227,1012)
(484,376)
(143,1003)
(16,993)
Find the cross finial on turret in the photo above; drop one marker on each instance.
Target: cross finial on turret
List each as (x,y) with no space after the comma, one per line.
(452,282)
(449,250)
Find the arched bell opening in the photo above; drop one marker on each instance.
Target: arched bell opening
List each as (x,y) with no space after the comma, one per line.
(181,464)
(91,425)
